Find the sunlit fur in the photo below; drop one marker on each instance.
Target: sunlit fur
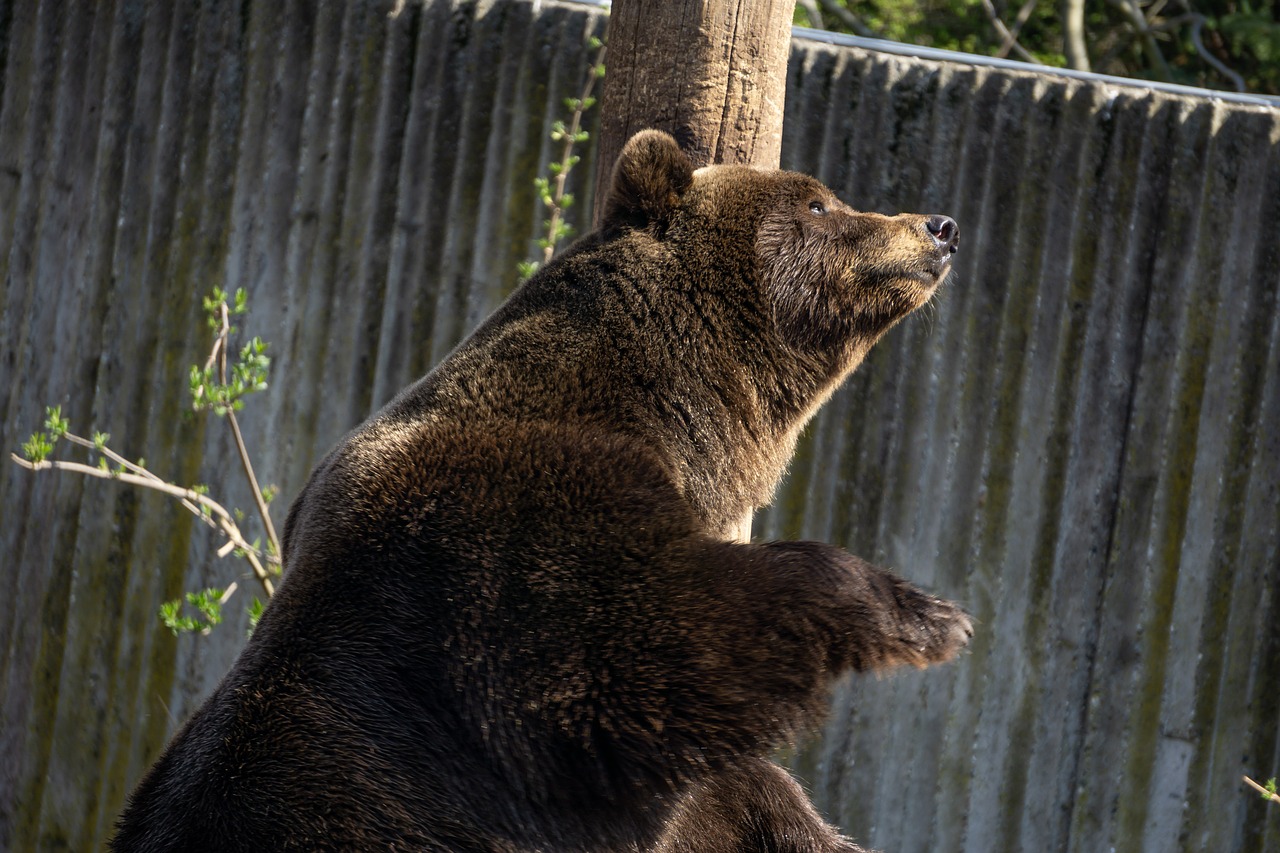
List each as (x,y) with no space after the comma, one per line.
(511,619)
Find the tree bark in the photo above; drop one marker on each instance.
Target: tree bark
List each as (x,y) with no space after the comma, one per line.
(713,73)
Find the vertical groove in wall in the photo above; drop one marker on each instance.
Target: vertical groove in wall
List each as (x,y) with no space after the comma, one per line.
(1077,439)
(80,734)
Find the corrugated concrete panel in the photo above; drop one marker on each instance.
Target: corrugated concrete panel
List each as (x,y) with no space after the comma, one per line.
(367,177)
(1080,439)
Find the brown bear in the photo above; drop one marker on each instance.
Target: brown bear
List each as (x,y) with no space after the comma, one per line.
(513,618)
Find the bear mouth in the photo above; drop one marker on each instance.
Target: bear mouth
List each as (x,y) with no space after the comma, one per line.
(938,268)
(932,273)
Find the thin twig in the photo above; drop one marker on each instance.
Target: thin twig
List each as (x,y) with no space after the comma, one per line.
(1270,795)
(220,346)
(1019,21)
(124,463)
(1008,40)
(814,14)
(850,20)
(1146,34)
(1197,24)
(253,485)
(1147,27)
(189,497)
(1024,15)
(570,139)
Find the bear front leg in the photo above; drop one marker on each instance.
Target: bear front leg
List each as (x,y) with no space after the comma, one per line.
(822,605)
(752,807)
(755,635)
(775,624)
(877,619)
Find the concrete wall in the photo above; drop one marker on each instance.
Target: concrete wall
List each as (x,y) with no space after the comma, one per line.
(1081,440)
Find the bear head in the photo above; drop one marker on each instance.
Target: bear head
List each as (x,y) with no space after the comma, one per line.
(832,279)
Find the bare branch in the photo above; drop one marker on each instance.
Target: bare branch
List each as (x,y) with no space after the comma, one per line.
(190,498)
(1019,21)
(1197,24)
(815,14)
(1267,794)
(221,344)
(1147,26)
(258,497)
(850,20)
(124,463)
(1146,34)
(1008,40)
(1024,15)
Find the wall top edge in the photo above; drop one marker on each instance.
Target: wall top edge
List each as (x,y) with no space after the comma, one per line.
(934,54)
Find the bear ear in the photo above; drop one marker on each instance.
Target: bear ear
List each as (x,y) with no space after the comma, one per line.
(651,175)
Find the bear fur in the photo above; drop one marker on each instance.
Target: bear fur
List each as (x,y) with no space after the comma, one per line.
(512,617)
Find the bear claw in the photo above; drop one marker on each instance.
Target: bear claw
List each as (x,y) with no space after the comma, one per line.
(933,630)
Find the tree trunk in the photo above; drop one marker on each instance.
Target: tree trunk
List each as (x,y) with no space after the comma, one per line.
(1073,43)
(713,73)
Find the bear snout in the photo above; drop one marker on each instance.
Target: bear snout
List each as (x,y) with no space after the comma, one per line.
(945,233)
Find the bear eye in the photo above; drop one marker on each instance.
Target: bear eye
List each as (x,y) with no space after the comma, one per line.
(817,207)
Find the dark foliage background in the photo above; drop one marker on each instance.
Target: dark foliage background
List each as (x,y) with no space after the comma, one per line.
(1217,44)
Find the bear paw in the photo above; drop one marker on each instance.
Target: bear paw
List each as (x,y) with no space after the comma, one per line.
(940,629)
(898,624)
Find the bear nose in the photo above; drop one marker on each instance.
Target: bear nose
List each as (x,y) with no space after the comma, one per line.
(945,232)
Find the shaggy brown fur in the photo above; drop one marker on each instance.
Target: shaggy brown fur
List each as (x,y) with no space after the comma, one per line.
(511,620)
